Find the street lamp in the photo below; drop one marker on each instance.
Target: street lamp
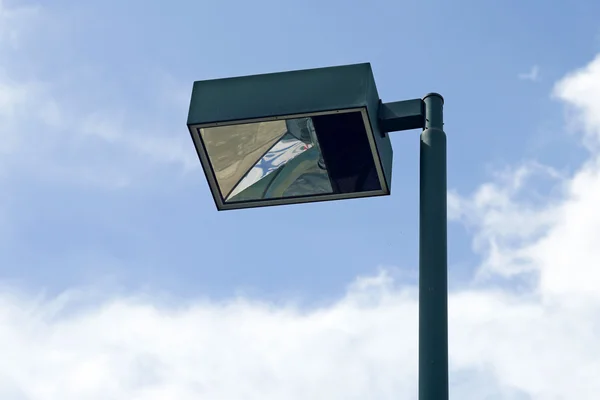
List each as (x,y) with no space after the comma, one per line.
(322,134)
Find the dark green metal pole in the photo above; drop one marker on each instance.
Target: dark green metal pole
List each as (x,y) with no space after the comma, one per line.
(433,256)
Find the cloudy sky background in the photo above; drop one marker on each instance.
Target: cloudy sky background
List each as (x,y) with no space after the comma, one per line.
(120,280)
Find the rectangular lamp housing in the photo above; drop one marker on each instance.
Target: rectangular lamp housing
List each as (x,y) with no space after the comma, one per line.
(291,137)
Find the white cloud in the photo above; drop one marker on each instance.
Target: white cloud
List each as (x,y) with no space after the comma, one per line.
(557,240)
(115,129)
(533,74)
(364,346)
(13,23)
(555,245)
(43,122)
(506,215)
(579,90)
(38,130)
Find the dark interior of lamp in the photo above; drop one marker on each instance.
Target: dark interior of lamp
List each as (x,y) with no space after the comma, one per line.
(309,156)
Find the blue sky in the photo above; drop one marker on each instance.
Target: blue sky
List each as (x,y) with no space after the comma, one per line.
(108,231)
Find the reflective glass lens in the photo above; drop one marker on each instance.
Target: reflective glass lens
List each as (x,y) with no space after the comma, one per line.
(264,160)
(298,157)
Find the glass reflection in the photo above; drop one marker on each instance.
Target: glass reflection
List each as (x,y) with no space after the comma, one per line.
(267,160)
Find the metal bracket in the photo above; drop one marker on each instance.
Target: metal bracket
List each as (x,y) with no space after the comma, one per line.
(401,115)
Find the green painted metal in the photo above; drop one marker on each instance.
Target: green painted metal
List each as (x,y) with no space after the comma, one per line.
(433,255)
(382,141)
(401,115)
(290,93)
(282,93)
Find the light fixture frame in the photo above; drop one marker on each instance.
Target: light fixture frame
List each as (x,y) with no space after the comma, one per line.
(286,95)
